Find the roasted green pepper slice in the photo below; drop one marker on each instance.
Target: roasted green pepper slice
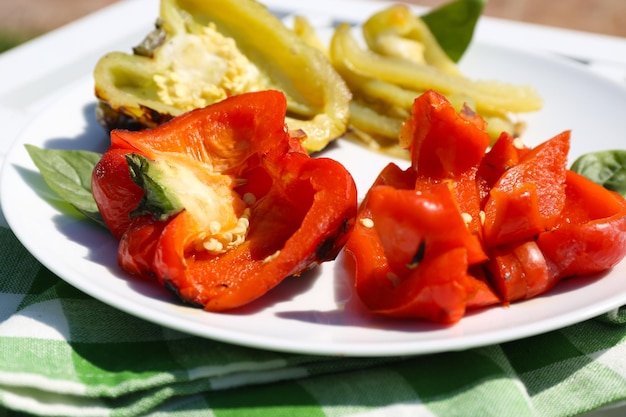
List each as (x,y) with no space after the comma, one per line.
(200,54)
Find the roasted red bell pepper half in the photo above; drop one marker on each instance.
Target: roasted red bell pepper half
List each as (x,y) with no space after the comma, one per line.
(222,203)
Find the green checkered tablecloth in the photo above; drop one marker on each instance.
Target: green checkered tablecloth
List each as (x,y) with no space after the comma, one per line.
(62,353)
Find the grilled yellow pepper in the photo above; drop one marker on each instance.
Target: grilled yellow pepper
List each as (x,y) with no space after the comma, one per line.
(202,52)
(400,60)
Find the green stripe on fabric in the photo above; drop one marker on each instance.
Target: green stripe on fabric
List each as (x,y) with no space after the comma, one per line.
(45,287)
(17,266)
(286,399)
(577,385)
(49,359)
(91,321)
(539,351)
(467,383)
(42,282)
(359,391)
(193,406)
(489,398)
(605,335)
(215,355)
(166,397)
(118,368)
(12,413)
(433,375)
(13,297)
(172,396)
(67,291)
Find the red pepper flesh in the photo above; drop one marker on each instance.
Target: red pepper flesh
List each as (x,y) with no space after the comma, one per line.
(528,197)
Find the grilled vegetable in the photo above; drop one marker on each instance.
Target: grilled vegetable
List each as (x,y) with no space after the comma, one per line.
(402,59)
(200,54)
(221,204)
(466,226)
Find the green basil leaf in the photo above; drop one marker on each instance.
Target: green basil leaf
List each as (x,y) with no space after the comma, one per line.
(607,168)
(68,173)
(453,25)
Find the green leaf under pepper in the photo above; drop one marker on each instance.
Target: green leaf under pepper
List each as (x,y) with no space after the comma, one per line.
(68,173)
(607,168)
(453,25)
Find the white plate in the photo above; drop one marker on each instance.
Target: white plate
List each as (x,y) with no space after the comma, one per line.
(317,313)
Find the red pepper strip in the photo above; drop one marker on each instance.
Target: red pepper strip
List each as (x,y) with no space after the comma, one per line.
(466,239)
(421,209)
(505,153)
(395,177)
(519,271)
(443,143)
(411,255)
(447,146)
(303,211)
(479,291)
(528,198)
(590,236)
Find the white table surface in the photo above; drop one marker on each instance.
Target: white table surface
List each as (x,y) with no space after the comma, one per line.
(35,74)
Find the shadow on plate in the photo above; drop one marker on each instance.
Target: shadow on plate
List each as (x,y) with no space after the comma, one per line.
(93,138)
(351,312)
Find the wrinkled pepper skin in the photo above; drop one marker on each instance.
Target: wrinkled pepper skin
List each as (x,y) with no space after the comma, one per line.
(302,211)
(127,85)
(466,227)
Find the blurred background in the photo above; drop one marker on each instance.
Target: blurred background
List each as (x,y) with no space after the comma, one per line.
(21,20)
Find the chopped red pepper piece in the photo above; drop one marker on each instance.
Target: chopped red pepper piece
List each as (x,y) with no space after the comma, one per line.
(528,197)
(505,153)
(407,264)
(448,147)
(222,203)
(590,235)
(519,271)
